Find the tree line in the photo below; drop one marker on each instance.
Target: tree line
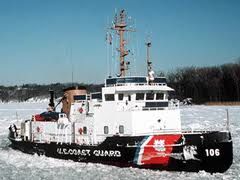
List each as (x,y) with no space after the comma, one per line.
(207,84)
(27,91)
(202,84)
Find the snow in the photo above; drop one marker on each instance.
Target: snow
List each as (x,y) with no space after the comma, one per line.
(17,165)
(38,100)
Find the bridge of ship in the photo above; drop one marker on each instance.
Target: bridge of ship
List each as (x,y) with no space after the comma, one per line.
(154,95)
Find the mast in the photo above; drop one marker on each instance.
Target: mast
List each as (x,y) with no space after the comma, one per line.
(150,72)
(149,63)
(120,26)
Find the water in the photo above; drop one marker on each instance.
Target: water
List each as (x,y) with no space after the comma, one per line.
(17,165)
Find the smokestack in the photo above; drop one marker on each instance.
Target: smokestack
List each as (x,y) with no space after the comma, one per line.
(51,101)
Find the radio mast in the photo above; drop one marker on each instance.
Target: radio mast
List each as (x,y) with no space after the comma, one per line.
(120,26)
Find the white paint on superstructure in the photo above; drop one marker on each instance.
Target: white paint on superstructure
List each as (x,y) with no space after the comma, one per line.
(128,107)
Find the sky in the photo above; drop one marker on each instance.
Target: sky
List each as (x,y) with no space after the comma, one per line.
(46,41)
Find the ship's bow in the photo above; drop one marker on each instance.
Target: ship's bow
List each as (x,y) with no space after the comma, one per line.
(217,151)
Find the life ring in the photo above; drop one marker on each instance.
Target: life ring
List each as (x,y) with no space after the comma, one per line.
(80,130)
(80,110)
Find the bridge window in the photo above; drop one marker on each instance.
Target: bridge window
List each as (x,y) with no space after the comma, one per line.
(96,95)
(121,129)
(105,129)
(149,96)
(109,97)
(140,96)
(159,96)
(120,97)
(79,97)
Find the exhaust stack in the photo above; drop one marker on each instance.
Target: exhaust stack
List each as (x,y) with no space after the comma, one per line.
(51,100)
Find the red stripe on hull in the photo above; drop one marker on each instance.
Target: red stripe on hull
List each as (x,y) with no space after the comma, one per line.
(157,149)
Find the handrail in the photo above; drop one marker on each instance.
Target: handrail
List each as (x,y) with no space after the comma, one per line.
(136,84)
(172,131)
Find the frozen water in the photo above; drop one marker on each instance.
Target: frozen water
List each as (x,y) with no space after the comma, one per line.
(17,165)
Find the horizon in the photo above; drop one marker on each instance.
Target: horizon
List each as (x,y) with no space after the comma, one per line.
(44,42)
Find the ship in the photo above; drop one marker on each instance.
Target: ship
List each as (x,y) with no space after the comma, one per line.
(132,122)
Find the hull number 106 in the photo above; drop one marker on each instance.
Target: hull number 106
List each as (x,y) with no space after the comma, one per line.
(212,152)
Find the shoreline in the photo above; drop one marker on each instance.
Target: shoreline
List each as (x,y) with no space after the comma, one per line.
(227,103)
